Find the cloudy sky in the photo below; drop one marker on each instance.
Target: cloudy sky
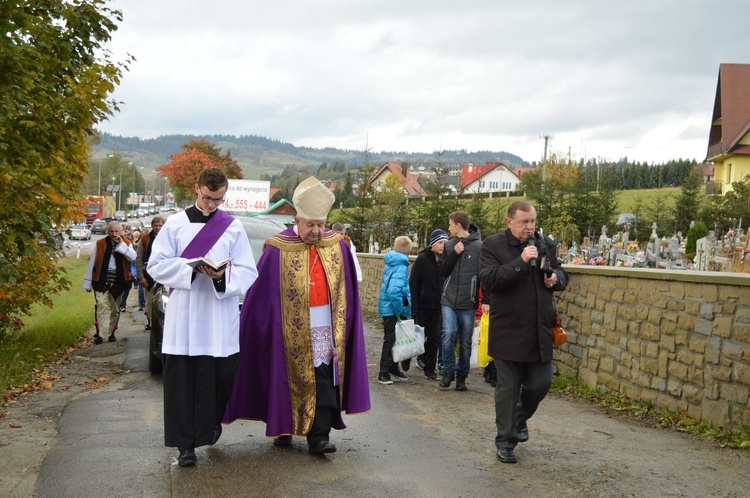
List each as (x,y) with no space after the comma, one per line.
(605,79)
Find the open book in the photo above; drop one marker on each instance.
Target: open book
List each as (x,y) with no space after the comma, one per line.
(217,266)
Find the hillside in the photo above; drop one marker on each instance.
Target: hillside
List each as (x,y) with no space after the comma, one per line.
(257,155)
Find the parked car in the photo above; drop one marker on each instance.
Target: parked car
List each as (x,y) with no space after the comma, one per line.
(99,226)
(134,214)
(56,239)
(121,216)
(136,224)
(258,230)
(80,232)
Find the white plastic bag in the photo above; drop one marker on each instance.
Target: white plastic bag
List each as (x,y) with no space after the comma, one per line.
(474,358)
(409,340)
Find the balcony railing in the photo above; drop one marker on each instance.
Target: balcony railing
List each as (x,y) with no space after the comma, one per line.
(714,150)
(714,188)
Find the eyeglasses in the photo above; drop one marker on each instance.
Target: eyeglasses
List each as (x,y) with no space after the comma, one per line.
(216,202)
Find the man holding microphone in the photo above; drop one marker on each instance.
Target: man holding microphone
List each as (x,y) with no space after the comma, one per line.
(512,271)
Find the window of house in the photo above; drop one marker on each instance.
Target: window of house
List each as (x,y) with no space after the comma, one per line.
(493,185)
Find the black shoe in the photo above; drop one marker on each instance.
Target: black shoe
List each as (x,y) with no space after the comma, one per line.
(98,339)
(431,375)
(523,433)
(322,447)
(122,310)
(384,379)
(460,384)
(147,327)
(187,457)
(445,382)
(420,364)
(405,365)
(112,338)
(397,375)
(217,434)
(285,440)
(506,455)
(141,308)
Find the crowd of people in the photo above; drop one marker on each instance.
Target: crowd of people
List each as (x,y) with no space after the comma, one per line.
(294,357)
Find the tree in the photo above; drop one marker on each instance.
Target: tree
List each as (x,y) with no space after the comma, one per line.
(736,203)
(186,166)
(687,205)
(55,81)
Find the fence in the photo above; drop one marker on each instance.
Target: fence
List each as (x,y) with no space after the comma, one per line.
(679,340)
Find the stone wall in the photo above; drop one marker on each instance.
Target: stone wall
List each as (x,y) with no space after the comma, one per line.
(679,340)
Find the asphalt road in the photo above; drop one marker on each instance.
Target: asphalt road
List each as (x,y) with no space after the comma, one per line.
(417,440)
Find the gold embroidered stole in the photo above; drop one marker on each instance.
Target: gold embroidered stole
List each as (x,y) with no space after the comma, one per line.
(294,260)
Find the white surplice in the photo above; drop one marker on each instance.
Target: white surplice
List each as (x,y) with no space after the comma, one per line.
(199,320)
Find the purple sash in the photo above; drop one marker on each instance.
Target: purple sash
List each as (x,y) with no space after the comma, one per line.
(208,235)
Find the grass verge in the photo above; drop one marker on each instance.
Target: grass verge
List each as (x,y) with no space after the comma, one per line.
(47,332)
(645,412)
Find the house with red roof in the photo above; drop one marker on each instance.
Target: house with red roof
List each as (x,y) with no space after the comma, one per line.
(407,180)
(729,136)
(492,177)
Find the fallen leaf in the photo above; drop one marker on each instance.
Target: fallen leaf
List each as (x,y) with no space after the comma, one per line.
(15,426)
(45,384)
(63,388)
(104,379)
(7,396)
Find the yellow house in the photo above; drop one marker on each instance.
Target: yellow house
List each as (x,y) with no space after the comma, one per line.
(729,138)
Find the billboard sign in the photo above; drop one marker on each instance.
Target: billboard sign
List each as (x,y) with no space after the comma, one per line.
(247,196)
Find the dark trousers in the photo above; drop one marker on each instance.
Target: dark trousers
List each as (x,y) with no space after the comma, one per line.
(196,392)
(389,339)
(432,322)
(513,407)
(326,401)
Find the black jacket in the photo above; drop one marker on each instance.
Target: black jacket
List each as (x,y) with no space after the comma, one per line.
(521,308)
(425,282)
(461,271)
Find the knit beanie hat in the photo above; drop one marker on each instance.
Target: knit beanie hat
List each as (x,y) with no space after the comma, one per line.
(437,235)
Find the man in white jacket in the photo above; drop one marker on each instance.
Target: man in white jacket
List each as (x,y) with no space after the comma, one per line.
(108,274)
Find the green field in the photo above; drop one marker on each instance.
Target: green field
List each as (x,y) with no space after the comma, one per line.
(627,199)
(47,331)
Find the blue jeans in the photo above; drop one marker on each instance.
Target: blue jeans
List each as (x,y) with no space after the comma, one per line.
(458,326)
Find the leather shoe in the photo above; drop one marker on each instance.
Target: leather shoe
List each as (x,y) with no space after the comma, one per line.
(445,382)
(523,434)
(187,457)
(285,440)
(460,384)
(322,447)
(506,455)
(98,339)
(217,434)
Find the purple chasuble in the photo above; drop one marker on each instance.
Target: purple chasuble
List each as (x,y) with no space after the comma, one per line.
(262,387)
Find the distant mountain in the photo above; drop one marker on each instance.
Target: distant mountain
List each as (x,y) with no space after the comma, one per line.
(257,155)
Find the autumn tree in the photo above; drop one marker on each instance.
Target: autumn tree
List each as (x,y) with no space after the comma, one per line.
(186,166)
(56,77)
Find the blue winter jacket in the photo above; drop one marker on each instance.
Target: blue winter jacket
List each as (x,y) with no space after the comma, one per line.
(394,289)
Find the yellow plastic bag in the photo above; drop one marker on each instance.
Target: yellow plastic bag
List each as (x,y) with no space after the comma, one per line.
(483,357)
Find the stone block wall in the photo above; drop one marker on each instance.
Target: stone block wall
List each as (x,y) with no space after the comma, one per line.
(679,340)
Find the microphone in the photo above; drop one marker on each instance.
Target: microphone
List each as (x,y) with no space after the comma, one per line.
(532,242)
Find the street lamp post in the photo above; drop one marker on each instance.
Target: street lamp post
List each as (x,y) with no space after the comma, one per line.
(119,198)
(135,178)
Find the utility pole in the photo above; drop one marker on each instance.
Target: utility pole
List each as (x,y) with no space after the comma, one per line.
(544,161)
